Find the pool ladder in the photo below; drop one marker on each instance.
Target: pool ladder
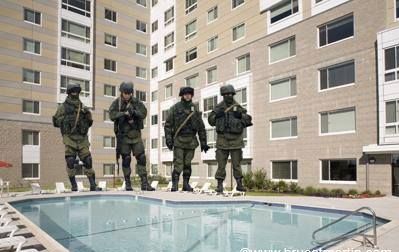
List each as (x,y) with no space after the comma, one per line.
(366,237)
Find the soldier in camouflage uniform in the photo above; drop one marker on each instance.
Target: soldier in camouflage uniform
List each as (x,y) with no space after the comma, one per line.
(183,123)
(128,113)
(230,120)
(74,120)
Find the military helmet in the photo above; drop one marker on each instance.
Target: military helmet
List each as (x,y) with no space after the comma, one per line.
(126,87)
(73,88)
(186,90)
(228,89)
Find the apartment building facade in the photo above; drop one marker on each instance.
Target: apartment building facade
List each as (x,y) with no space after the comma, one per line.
(318,76)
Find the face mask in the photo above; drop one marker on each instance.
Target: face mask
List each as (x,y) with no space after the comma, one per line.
(75,97)
(228,99)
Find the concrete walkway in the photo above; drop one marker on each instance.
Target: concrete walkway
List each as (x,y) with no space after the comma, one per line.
(385,207)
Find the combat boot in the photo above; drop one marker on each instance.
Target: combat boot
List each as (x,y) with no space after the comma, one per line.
(145,186)
(128,184)
(93,185)
(175,182)
(186,185)
(240,187)
(219,188)
(74,185)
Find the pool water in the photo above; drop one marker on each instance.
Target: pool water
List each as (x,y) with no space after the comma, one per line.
(126,223)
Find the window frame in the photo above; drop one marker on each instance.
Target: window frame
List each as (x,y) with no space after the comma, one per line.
(190,77)
(291,169)
(327,68)
(280,42)
(112,167)
(112,36)
(236,27)
(32,113)
(34,13)
(140,23)
(290,119)
(280,80)
(113,88)
(190,52)
(83,93)
(331,22)
(114,15)
(211,68)
(351,182)
(31,132)
(111,61)
(235,7)
(171,92)
(171,19)
(193,33)
(215,39)
(70,63)
(217,14)
(238,59)
(34,42)
(70,35)
(31,178)
(113,142)
(191,8)
(337,111)
(34,72)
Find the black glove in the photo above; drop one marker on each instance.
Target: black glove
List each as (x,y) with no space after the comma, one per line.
(205,148)
(85,110)
(237,114)
(132,112)
(169,144)
(219,113)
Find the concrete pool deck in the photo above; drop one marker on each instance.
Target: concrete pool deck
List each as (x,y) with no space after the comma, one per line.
(385,207)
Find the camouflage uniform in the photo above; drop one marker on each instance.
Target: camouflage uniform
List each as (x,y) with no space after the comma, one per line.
(185,142)
(74,132)
(230,126)
(128,117)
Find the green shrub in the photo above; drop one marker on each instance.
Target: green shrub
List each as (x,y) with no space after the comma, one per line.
(248,180)
(161,180)
(269,185)
(294,188)
(309,191)
(353,192)
(366,192)
(259,177)
(337,192)
(377,193)
(282,186)
(323,192)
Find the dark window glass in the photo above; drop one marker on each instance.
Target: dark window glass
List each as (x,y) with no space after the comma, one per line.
(339,170)
(336,31)
(390,58)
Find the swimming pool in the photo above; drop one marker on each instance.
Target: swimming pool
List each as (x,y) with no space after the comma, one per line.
(127,223)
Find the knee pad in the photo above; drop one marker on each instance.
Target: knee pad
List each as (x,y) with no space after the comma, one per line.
(141,160)
(126,159)
(88,162)
(187,171)
(70,161)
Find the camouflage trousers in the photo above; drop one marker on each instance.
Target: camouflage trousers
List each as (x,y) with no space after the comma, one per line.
(182,160)
(222,156)
(83,152)
(138,151)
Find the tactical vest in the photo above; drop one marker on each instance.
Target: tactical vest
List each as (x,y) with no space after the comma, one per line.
(229,124)
(83,123)
(181,113)
(122,125)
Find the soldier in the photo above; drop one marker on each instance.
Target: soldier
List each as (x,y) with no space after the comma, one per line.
(74,120)
(128,114)
(183,123)
(230,120)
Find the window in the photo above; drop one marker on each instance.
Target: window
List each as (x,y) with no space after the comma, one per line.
(285,170)
(391,118)
(154,72)
(81,7)
(141,72)
(31,46)
(191,29)
(211,75)
(284,128)
(192,81)
(154,143)
(241,97)
(391,57)
(154,49)
(75,31)
(141,26)
(190,6)
(397,8)
(142,2)
(30,171)
(164,146)
(32,16)
(191,54)
(211,137)
(246,166)
(236,3)
(243,64)
(212,14)
(282,50)
(31,76)
(169,16)
(212,44)
(337,75)
(336,31)
(108,169)
(343,121)
(154,26)
(141,95)
(154,119)
(109,90)
(169,65)
(168,90)
(31,107)
(141,49)
(76,59)
(154,95)
(154,169)
(338,170)
(238,31)
(212,168)
(110,39)
(169,40)
(30,137)
(84,85)
(106,116)
(283,88)
(318,1)
(110,65)
(154,2)
(109,142)
(209,104)
(110,15)
(284,9)
(164,116)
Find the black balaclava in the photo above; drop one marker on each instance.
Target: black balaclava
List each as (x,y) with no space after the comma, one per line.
(228,99)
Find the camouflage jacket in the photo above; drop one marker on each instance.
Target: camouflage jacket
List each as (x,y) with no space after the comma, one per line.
(230,128)
(186,137)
